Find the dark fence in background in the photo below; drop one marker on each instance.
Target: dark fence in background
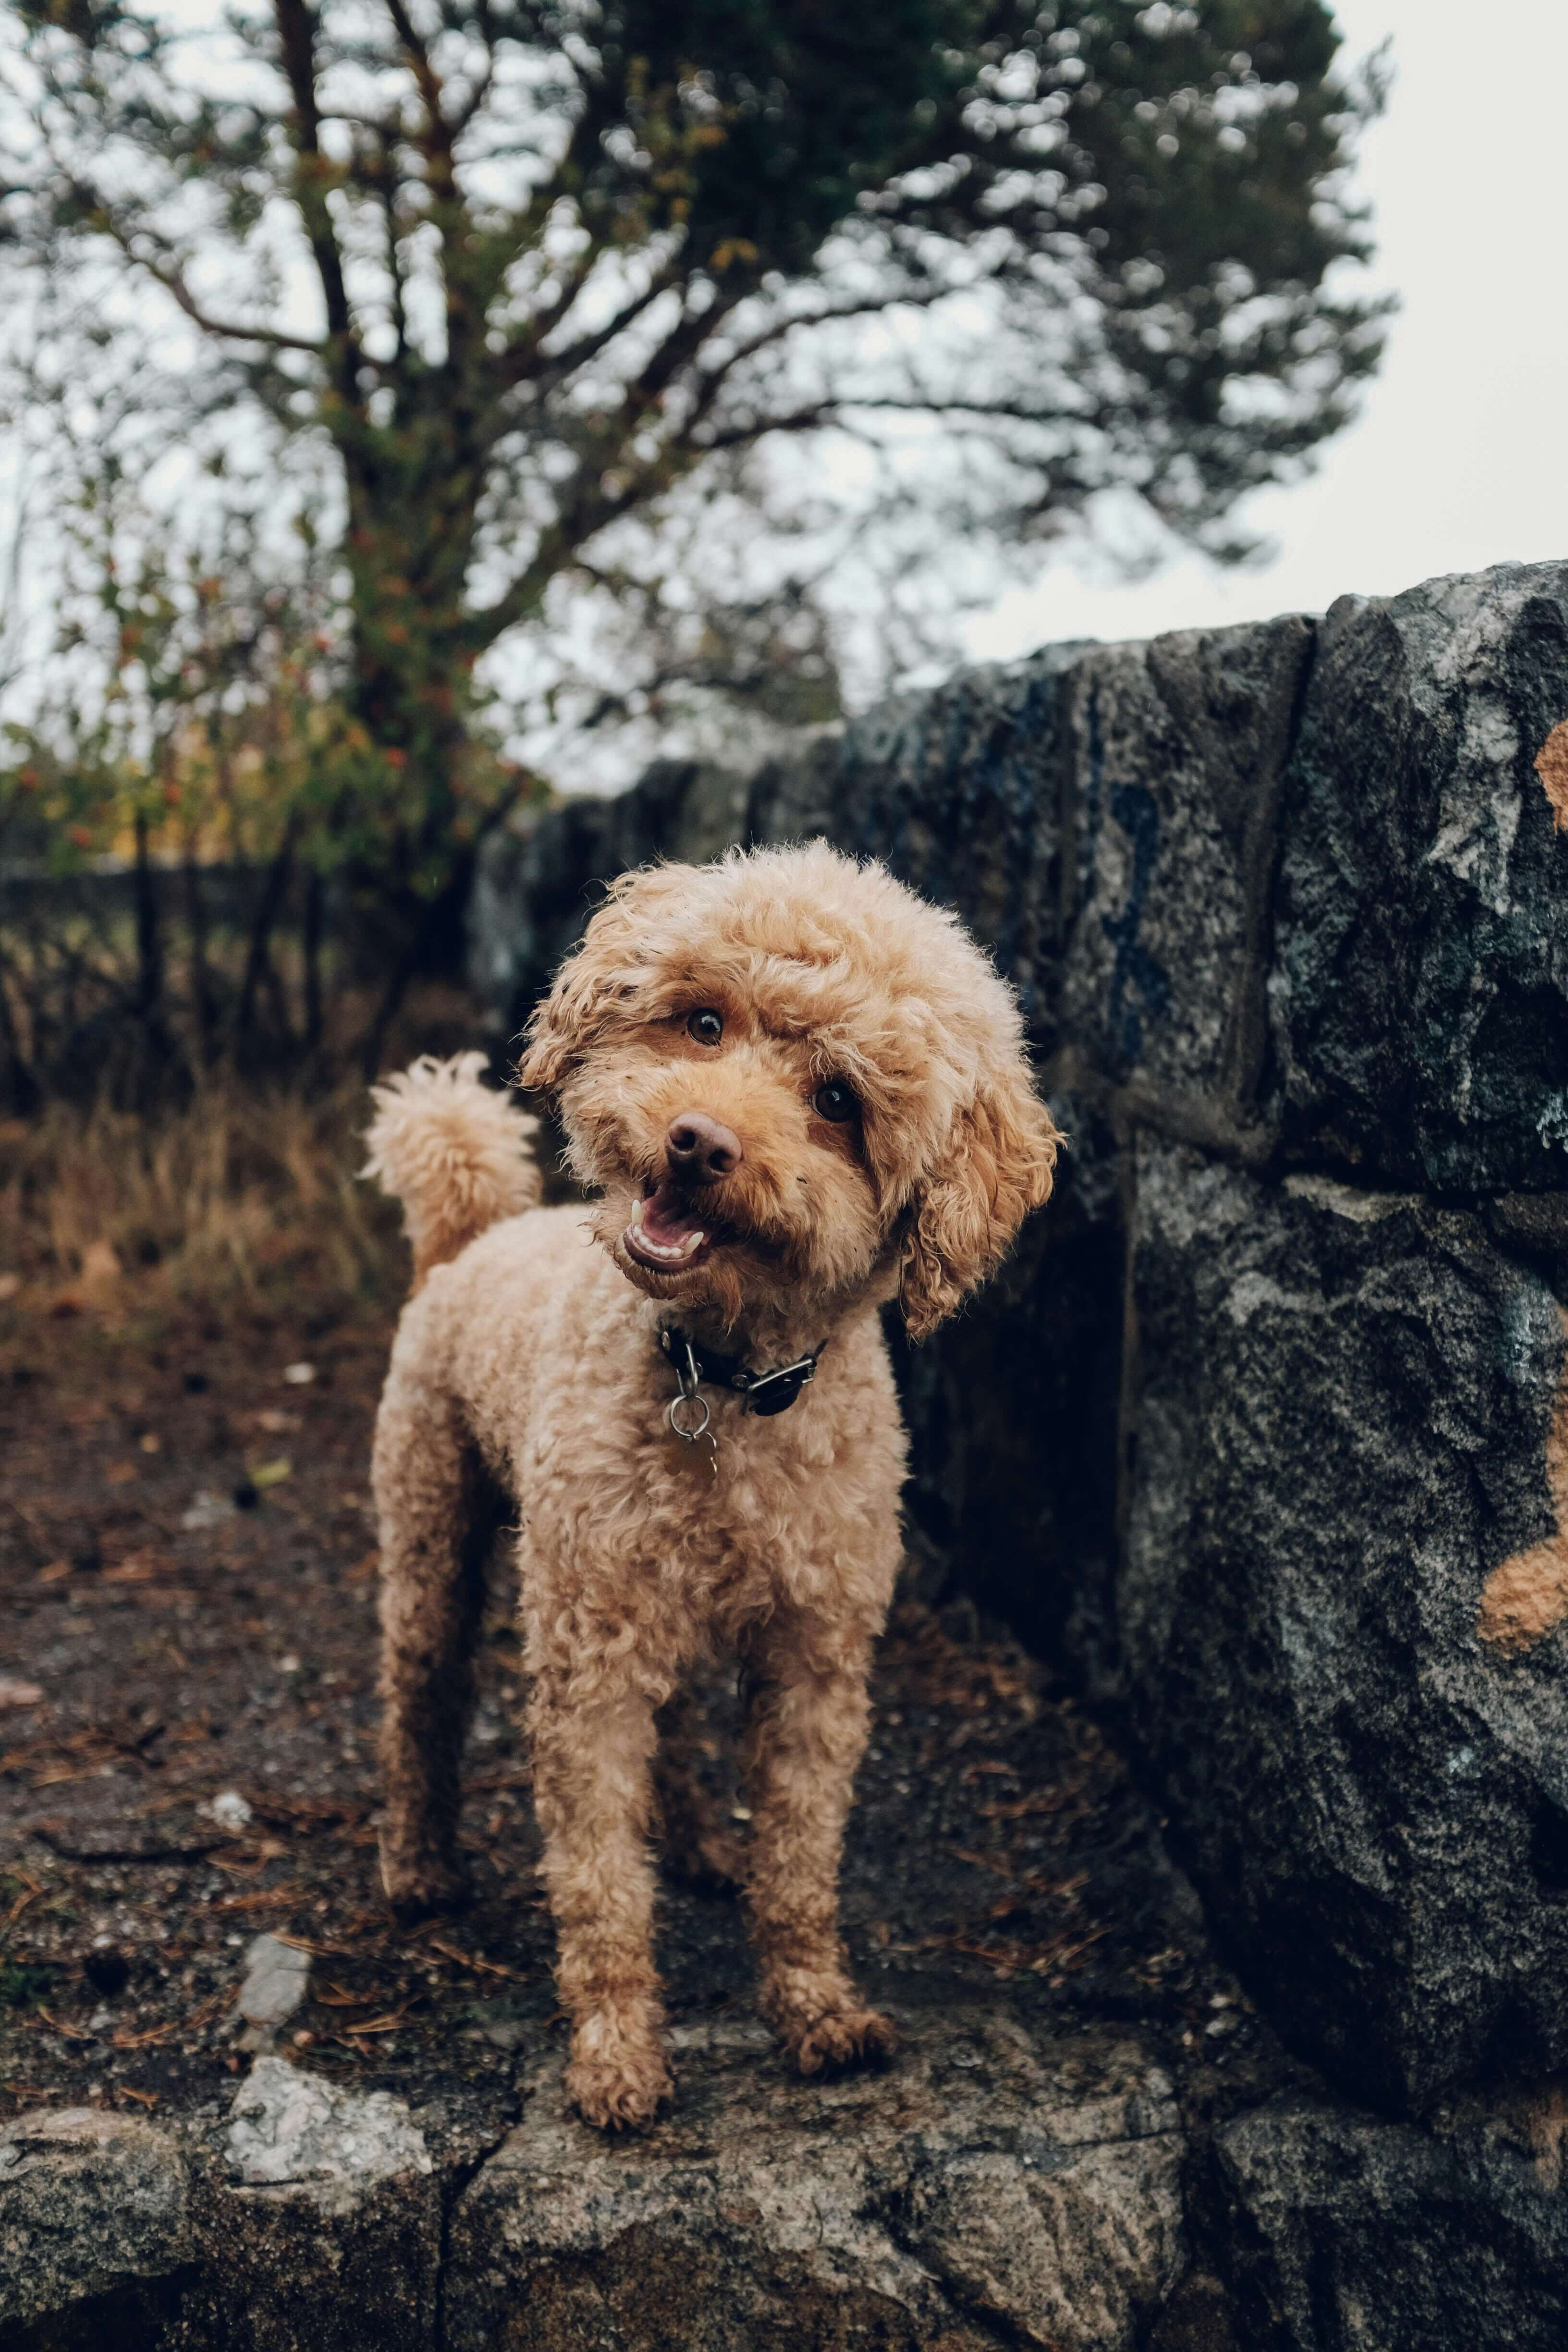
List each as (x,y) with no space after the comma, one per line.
(123,982)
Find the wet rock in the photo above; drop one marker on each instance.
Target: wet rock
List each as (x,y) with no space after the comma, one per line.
(1178,754)
(1420,986)
(1343,1406)
(1348,2232)
(992,2182)
(92,2205)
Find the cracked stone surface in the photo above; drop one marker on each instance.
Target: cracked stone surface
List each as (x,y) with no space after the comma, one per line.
(1344,1411)
(1264,1432)
(1353,2232)
(1178,754)
(1420,982)
(89,2202)
(996,2186)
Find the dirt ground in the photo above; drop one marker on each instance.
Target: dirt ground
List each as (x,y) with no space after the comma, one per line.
(187,1591)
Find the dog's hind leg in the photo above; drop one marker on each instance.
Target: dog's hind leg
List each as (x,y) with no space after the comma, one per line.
(436,1516)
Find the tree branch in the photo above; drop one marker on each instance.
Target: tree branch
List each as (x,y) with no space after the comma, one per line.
(296,23)
(870,305)
(172,279)
(547,368)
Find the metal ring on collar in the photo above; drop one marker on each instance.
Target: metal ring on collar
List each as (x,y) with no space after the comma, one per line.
(699,1403)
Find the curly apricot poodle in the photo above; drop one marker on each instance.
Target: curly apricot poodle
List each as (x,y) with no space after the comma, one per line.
(795,1092)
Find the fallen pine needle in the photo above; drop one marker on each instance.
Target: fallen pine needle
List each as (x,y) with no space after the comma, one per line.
(995,1862)
(473,1960)
(29,1894)
(123,2041)
(201,2016)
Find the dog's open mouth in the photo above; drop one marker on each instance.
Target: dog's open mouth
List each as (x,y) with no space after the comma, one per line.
(670,1231)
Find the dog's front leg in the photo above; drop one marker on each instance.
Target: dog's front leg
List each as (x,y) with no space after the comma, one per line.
(592,1791)
(806,1729)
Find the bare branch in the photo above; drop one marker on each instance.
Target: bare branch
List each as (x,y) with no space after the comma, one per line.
(871,305)
(554,367)
(171,279)
(296,23)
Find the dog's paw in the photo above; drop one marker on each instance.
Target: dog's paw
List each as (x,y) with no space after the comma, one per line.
(839,2040)
(619,2090)
(423,1889)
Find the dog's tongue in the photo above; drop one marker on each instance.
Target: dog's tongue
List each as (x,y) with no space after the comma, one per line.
(666,1218)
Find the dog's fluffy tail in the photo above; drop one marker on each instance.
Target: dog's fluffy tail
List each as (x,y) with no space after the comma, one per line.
(454,1151)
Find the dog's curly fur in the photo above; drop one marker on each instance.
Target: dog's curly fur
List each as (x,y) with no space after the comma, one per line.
(526,1365)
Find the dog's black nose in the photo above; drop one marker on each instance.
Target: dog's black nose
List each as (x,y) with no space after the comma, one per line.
(699,1150)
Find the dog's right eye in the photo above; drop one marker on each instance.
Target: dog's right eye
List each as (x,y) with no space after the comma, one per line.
(706,1025)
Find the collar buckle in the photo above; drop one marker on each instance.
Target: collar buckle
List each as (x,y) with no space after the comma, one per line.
(770,1392)
(764,1393)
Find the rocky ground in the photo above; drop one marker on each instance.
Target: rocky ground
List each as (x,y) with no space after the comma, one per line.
(188,1764)
(190,1591)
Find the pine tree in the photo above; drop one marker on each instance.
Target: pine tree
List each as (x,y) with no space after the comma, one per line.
(534,268)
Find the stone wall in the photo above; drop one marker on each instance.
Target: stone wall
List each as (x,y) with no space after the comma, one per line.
(1263,1433)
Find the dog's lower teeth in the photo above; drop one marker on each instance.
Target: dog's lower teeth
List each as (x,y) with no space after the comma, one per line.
(674,1253)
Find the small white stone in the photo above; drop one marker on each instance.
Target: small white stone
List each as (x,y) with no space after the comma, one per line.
(277,1978)
(206,1510)
(229,1809)
(299,1376)
(290,2125)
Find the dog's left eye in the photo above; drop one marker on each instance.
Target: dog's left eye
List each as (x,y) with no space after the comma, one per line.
(706,1025)
(834,1101)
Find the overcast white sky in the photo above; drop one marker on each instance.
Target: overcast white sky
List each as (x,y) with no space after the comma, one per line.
(1459,459)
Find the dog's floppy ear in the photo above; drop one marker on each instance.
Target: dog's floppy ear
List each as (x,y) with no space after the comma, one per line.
(601,971)
(997,1165)
(562,1026)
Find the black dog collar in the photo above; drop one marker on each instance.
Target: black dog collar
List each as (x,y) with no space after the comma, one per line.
(696,1366)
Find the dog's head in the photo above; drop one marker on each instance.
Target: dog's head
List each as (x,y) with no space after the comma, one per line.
(795,1084)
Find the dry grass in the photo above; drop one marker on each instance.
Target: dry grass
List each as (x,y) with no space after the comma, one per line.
(244,1197)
